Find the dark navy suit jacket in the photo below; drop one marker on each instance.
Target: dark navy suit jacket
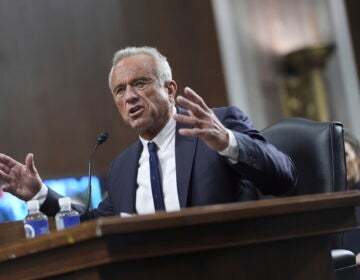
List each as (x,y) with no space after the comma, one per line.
(204,177)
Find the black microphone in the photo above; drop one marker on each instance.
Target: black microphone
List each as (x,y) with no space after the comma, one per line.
(103,136)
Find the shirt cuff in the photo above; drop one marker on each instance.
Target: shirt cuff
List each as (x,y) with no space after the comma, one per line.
(231,152)
(42,194)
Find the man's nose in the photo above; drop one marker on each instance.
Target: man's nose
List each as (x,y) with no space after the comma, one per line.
(130,94)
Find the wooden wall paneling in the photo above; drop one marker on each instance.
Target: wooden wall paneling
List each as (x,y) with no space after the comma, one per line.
(54,62)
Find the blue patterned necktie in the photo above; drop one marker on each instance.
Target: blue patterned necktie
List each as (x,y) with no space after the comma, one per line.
(155,178)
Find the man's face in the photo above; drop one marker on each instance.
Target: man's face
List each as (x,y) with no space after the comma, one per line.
(142,101)
(352,165)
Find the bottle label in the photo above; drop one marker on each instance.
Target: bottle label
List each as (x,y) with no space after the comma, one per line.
(36,228)
(66,222)
(71,221)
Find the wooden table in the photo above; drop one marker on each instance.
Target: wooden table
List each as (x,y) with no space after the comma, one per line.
(284,238)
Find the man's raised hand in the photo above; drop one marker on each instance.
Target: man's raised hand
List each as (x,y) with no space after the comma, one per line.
(21,180)
(205,124)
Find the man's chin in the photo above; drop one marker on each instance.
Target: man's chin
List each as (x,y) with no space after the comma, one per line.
(137,125)
(144,131)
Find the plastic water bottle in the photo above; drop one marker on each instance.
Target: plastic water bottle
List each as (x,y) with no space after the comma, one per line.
(66,217)
(35,223)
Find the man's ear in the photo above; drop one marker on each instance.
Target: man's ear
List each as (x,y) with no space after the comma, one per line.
(171,87)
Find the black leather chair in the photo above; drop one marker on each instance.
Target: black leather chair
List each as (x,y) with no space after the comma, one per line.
(317,149)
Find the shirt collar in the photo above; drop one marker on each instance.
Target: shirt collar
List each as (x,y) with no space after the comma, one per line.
(164,137)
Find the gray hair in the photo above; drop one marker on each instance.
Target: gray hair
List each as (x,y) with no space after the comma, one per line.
(163,68)
(353,141)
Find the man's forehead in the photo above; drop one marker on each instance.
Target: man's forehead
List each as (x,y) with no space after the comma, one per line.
(131,68)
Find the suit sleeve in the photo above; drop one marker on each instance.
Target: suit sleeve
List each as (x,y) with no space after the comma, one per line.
(106,208)
(50,207)
(272,171)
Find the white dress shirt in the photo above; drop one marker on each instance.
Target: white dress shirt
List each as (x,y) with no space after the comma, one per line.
(165,141)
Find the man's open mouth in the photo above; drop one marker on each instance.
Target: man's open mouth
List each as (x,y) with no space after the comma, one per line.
(136,111)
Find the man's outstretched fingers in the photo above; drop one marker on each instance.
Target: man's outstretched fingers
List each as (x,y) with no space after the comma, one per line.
(30,164)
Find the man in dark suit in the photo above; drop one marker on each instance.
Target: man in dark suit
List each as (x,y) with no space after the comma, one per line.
(187,155)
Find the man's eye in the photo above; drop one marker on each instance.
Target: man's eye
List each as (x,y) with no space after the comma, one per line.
(119,91)
(140,84)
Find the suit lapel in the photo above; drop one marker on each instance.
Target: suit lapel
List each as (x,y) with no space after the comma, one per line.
(129,178)
(184,155)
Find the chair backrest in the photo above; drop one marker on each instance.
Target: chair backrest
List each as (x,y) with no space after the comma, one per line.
(317,149)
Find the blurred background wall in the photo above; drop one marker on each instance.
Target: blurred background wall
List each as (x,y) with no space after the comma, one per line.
(55,57)
(259,38)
